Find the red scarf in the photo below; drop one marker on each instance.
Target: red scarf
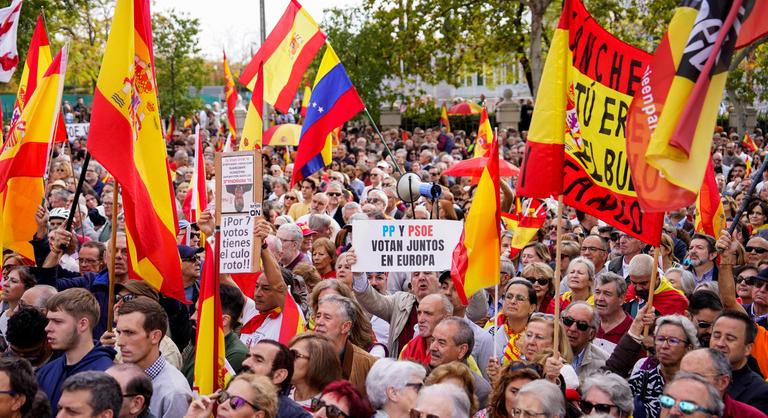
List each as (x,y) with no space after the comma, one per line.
(416,350)
(257,321)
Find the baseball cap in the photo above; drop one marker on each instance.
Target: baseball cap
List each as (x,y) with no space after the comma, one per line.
(186,251)
(305,230)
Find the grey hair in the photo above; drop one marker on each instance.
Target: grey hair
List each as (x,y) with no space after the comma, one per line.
(335,184)
(610,277)
(686,279)
(459,399)
(507,234)
(713,286)
(507,266)
(293,230)
(595,317)
(684,323)
(390,373)
(587,262)
(345,303)
(379,194)
(319,222)
(279,180)
(548,394)
(352,205)
(716,405)
(640,265)
(612,385)
(106,394)
(463,335)
(447,305)
(720,362)
(282,220)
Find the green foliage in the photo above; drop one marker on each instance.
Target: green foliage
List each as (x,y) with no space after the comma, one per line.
(178,63)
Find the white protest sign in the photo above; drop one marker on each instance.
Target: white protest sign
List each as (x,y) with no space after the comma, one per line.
(236,252)
(77,130)
(412,245)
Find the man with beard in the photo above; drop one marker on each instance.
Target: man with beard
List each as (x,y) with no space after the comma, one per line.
(702,254)
(274,360)
(666,299)
(703,308)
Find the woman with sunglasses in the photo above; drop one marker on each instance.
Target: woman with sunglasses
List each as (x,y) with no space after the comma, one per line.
(581,282)
(315,366)
(540,275)
(247,396)
(511,378)
(606,393)
(745,281)
(341,400)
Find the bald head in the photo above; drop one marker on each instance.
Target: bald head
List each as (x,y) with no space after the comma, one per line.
(38,295)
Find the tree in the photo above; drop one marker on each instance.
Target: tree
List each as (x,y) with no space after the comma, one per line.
(179,66)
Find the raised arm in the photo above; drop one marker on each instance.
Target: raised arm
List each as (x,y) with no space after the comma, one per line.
(727,247)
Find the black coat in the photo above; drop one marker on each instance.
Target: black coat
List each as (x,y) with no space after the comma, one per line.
(748,387)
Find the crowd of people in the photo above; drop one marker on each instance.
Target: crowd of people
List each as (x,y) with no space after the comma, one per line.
(389,344)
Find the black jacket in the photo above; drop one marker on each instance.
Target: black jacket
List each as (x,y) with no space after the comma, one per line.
(748,387)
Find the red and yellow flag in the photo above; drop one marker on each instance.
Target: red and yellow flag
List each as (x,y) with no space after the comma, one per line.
(196,199)
(528,218)
(484,135)
(444,121)
(253,128)
(586,87)
(126,138)
(749,143)
(305,99)
(211,372)
(285,55)
(673,114)
(231,95)
(170,128)
(24,159)
(710,215)
(476,261)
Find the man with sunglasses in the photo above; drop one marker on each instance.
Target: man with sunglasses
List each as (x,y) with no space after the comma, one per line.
(581,323)
(190,272)
(334,192)
(714,366)
(758,309)
(756,250)
(690,395)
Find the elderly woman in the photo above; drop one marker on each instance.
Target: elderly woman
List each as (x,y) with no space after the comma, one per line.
(511,378)
(459,375)
(606,393)
(324,257)
(581,275)
(540,275)
(393,387)
(247,396)
(344,270)
(681,280)
(315,366)
(340,399)
(540,399)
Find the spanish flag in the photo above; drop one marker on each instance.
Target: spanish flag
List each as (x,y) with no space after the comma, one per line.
(673,114)
(748,143)
(305,100)
(211,373)
(710,215)
(476,260)
(170,128)
(196,199)
(38,60)
(231,95)
(484,135)
(285,54)
(334,101)
(528,218)
(253,128)
(444,121)
(24,159)
(125,137)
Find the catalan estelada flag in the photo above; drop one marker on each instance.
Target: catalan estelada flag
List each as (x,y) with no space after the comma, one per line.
(231,95)
(749,143)
(24,159)
(125,137)
(285,54)
(334,101)
(484,135)
(476,261)
(253,127)
(196,199)
(37,62)
(528,218)
(444,121)
(710,215)
(211,373)
(673,114)
(305,100)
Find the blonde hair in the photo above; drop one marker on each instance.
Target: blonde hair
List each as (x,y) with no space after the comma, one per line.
(265,392)
(565,347)
(459,371)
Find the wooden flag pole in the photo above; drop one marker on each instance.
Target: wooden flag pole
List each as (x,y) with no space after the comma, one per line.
(652,285)
(558,256)
(112,248)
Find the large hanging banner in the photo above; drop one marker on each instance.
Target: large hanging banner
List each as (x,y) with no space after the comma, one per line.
(579,125)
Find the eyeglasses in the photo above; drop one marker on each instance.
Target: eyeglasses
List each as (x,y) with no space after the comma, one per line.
(235,402)
(416,386)
(296,354)
(686,407)
(591,249)
(522,413)
(603,408)
(704,324)
(88,261)
(580,325)
(672,341)
(193,259)
(333,194)
(757,250)
(539,315)
(759,284)
(289,198)
(511,297)
(125,298)
(415,413)
(541,282)
(331,411)
(749,281)
(373,200)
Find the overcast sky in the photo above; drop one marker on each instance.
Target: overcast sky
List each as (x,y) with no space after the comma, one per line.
(234,24)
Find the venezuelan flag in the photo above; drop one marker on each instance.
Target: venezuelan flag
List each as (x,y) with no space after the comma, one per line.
(476,261)
(126,138)
(285,55)
(334,101)
(305,100)
(25,157)
(231,94)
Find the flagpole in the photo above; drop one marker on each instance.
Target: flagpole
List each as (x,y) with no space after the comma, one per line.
(652,285)
(496,315)
(558,257)
(112,249)
(383,141)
